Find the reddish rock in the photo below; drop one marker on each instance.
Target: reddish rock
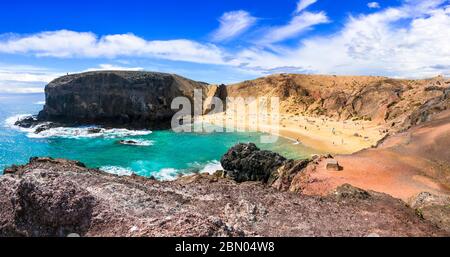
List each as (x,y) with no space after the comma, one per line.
(52,197)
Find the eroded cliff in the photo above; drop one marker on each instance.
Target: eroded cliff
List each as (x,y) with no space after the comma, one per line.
(116,98)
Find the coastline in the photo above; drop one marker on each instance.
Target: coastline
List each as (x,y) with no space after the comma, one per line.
(321,133)
(399,166)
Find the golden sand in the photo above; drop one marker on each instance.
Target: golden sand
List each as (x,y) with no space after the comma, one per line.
(321,133)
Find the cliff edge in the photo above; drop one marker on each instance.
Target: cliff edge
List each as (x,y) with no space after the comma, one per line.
(116,98)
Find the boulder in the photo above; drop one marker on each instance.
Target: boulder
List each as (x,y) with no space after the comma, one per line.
(435,208)
(128,142)
(246,162)
(332,164)
(27,122)
(94,130)
(347,191)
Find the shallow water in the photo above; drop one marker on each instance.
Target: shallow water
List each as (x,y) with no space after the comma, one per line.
(163,154)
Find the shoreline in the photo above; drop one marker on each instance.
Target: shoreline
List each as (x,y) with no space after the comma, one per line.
(321,133)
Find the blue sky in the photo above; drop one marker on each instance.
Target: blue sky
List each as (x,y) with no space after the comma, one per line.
(222,41)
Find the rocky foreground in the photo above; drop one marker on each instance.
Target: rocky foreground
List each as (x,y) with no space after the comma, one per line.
(53,197)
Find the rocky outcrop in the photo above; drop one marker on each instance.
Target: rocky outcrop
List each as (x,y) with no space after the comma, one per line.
(53,197)
(116,98)
(142,99)
(431,107)
(435,208)
(246,162)
(385,101)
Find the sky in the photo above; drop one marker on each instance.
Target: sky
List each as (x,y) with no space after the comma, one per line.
(222,41)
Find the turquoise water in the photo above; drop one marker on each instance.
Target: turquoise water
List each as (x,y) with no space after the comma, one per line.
(163,154)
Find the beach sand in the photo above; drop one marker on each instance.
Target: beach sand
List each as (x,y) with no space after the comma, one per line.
(402,166)
(321,133)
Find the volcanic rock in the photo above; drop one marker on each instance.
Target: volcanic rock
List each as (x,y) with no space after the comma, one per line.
(54,197)
(116,98)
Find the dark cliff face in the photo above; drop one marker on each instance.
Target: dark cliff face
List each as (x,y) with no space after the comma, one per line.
(116,98)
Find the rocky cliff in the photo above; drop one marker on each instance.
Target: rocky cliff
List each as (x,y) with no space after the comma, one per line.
(116,98)
(396,103)
(52,197)
(142,99)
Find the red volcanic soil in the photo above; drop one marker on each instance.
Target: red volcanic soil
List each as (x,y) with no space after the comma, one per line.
(406,164)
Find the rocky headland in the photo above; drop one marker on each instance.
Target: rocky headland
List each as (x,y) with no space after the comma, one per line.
(115,98)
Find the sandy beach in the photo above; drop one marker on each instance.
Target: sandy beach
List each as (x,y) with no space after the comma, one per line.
(402,166)
(322,133)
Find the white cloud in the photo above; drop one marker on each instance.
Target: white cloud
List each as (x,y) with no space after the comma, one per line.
(410,40)
(297,25)
(19,89)
(31,79)
(103,67)
(66,43)
(24,78)
(25,73)
(370,44)
(373,5)
(233,24)
(303,4)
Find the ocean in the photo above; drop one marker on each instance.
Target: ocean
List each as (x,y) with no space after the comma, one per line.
(162,154)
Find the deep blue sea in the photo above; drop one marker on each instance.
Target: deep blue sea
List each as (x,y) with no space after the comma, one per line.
(163,154)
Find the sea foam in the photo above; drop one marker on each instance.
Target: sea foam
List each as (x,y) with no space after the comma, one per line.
(86,132)
(75,132)
(211,167)
(120,171)
(9,122)
(166,174)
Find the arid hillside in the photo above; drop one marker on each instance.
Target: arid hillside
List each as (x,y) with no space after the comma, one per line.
(384,101)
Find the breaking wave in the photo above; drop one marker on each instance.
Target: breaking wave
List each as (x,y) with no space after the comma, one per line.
(10,122)
(120,171)
(166,174)
(211,167)
(87,132)
(75,132)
